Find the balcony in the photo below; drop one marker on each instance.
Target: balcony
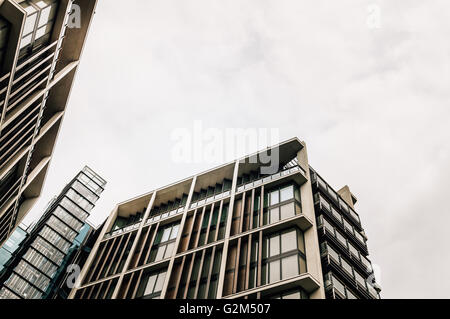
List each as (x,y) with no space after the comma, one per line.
(296,172)
(335,199)
(122,230)
(164,216)
(342,224)
(211,194)
(210,199)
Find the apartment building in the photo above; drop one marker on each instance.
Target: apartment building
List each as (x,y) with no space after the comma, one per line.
(248,229)
(34,268)
(41,42)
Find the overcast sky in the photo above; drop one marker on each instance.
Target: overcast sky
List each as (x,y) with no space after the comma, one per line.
(369,96)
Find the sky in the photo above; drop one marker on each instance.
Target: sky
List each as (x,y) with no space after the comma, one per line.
(364,83)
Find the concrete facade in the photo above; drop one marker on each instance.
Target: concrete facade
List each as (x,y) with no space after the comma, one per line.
(41,44)
(230,232)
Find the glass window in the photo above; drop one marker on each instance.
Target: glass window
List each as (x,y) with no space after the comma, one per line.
(347,267)
(274,215)
(341,238)
(354,215)
(43,30)
(160,253)
(286,193)
(372,291)
(297,194)
(55,238)
(321,183)
(30,21)
(367,263)
(79,200)
(166,234)
(150,284)
(274,246)
(74,209)
(298,209)
(160,281)
(328,225)
(61,228)
(324,203)
(289,267)
(48,11)
(338,286)
(287,211)
(353,250)
(360,280)
(336,214)
(332,194)
(343,205)
(282,257)
(333,254)
(67,218)
(174,232)
(85,192)
(48,250)
(274,271)
(350,295)
(169,250)
(25,41)
(301,241)
(274,198)
(348,226)
(359,237)
(288,241)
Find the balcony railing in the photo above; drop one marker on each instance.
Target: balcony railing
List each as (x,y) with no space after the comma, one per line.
(210,199)
(340,220)
(335,197)
(122,230)
(270,178)
(164,215)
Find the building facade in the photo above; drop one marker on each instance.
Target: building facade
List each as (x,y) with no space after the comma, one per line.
(348,273)
(40,47)
(250,229)
(35,267)
(75,258)
(11,245)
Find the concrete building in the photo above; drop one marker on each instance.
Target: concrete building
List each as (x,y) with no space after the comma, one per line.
(34,269)
(40,47)
(253,228)
(75,258)
(11,245)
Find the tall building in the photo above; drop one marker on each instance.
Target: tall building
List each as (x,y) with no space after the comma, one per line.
(40,47)
(62,282)
(37,263)
(11,245)
(245,229)
(348,273)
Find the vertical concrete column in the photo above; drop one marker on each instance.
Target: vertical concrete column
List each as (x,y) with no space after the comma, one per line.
(177,241)
(133,247)
(313,262)
(223,262)
(112,217)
